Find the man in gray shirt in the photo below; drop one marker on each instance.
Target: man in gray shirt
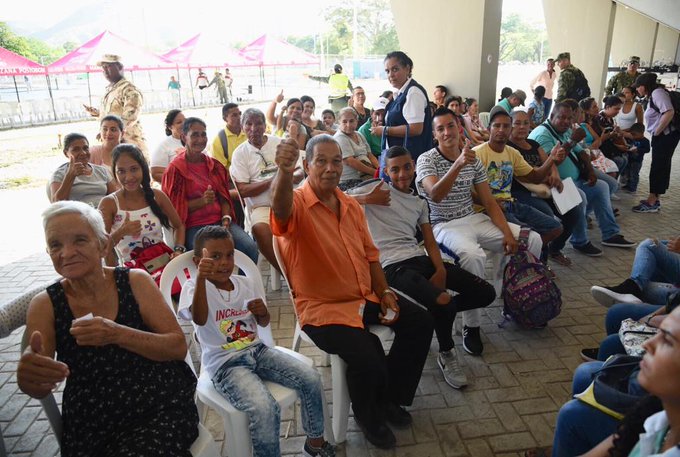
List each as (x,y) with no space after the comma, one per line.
(424,278)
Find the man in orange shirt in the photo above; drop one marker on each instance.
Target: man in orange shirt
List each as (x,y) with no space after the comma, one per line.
(340,288)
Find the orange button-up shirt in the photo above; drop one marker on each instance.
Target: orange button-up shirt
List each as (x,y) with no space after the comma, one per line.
(327,259)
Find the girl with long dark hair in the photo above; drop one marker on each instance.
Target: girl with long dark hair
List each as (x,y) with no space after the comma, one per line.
(137,213)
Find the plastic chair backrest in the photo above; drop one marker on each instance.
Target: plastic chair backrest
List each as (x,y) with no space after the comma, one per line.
(177,267)
(484,119)
(282,266)
(49,403)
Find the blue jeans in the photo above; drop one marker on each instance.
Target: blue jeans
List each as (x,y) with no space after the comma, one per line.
(569,220)
(581,427)
(654,262)
(633,173)
(242,241)
(598,199)
(611,181)
(615,315)
(240,380)
(547,104)
(526,215)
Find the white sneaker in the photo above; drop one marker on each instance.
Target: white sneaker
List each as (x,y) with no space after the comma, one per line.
(614,197)
(451,369)
(608,298)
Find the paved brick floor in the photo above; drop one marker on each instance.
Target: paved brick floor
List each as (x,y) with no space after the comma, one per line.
(516,389)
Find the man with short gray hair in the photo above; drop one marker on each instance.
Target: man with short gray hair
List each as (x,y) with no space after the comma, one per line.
(253,168)
(340,289)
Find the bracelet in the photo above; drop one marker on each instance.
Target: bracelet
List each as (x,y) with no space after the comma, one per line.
(180,248)
(388,291)
(227,217)
(387,131)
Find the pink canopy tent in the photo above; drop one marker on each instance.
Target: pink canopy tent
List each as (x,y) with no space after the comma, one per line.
(268,51)
(13,65)
(84,59)
(202,52)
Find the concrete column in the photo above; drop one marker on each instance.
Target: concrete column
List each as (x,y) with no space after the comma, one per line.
(452,42)
(633,35)
(584,28)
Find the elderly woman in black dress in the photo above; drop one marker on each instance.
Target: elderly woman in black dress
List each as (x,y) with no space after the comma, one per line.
(118,346)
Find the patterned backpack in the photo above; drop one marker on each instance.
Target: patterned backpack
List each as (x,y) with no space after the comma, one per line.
(530,296)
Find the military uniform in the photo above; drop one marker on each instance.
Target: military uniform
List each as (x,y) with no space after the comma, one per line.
(124,100)
(566,82)
(619,81)
(218,80)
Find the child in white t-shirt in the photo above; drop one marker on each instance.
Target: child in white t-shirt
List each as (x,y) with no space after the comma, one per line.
(226,313)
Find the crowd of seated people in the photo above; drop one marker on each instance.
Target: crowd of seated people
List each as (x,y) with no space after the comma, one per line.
(457,186)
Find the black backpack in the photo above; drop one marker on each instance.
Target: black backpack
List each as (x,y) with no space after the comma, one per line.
(675,101)
(580,89)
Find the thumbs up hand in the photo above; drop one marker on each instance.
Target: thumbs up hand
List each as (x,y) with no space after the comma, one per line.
(131,228)
(38,374)
(75,168)
(206,266)
(208,196)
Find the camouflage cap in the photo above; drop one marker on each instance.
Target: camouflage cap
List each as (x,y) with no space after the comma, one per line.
(109,58)
(634,59)
(563,55)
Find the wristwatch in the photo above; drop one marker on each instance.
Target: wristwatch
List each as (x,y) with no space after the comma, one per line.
(179,248)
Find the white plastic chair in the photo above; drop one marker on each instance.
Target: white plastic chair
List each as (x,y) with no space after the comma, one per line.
(274,274)
(204,446)
(236,431)
(484,119)
(341,400)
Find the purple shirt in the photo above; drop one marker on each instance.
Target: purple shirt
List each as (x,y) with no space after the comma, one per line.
(662,101)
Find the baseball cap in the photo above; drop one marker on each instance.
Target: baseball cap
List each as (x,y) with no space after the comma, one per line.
(380,103)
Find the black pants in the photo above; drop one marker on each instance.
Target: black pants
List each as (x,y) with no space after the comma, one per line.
(663,147)
(374,379)
(412,277)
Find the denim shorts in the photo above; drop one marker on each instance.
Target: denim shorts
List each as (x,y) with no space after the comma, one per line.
(528,216)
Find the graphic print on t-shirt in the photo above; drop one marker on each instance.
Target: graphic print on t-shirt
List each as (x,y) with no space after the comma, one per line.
(237,326)
(500,179)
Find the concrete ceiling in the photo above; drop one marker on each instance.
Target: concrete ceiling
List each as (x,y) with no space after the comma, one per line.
(664,11)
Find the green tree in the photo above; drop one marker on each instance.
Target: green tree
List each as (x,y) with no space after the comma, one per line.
(31,48)
(376,33)
(521,40)
(69,46)
(307,42)
(9,40)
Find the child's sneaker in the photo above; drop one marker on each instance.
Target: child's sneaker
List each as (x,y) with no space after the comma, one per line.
(326,450)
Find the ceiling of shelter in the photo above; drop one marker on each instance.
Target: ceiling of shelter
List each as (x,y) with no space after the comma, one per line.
(664,11)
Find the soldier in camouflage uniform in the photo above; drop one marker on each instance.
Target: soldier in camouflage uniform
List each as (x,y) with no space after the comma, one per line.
(567,75)
(123,99)
(624,78)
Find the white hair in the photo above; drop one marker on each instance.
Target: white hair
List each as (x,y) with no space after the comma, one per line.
(91,215)
(348,110)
